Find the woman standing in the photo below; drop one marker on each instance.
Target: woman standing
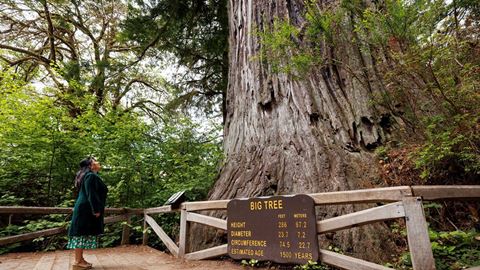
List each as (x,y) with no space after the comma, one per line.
(87,218)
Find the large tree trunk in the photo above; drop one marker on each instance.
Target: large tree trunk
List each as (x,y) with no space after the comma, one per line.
(287,136)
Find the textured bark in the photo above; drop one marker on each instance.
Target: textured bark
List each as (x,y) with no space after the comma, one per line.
(287,136)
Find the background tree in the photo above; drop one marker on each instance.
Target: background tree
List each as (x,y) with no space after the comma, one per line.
(194,36)
(76,47)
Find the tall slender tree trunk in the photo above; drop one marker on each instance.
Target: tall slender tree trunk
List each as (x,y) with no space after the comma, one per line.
(285,135)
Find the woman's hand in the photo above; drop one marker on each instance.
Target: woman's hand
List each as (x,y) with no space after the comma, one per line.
(97,214)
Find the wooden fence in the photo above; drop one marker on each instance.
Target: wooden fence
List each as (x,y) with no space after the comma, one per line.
(120,214)
(401,202)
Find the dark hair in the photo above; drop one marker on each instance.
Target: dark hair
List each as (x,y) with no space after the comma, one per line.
(84,168)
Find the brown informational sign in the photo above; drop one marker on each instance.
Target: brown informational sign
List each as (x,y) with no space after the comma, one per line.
(280,229)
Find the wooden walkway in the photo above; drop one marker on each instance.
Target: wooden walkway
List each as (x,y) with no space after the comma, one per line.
(118,258)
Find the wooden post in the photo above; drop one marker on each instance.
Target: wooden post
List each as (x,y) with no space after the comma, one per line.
(145,234)
(182,246)
(417,234)
(126,231)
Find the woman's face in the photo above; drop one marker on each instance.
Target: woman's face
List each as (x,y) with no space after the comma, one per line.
(95,166)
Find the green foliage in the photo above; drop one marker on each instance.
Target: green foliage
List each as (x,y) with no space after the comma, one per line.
(397,20)
(28,124)
(295,51)
(27,226)
(322,24)
(10,199)
(278,47)
(112,235)
(189,161)
(251,263)
(451,250)
(143,163)
(311,265)
(455,250)
(41,145)
(458,249)
(98,93)
(335,249)
(432,79)
(195,33)
(382,152)
(447,145)
(429,65)
(88,70)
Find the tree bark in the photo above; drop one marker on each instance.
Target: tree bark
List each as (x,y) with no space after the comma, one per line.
(315,134)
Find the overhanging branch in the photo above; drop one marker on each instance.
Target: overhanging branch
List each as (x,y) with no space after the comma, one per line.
(20,50)
(130,83)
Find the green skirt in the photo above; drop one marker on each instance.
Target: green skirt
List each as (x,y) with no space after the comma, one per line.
(84,241)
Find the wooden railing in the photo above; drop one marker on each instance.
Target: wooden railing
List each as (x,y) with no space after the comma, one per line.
(403,202)
(120,214)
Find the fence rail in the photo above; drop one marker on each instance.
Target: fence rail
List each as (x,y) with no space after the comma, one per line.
(61,210)
(402,202)
(122,214)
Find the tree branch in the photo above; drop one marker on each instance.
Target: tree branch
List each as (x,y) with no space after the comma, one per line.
(69,45)
(6,60)
(50,31)
(142,103)
(126,89)
(52,76)
(15,49)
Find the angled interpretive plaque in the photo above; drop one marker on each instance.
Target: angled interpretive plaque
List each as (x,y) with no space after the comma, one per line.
(279,228)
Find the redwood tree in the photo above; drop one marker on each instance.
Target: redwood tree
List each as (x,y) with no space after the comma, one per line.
(288,133)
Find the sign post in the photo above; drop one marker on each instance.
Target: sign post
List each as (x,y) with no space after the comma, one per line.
(280,229)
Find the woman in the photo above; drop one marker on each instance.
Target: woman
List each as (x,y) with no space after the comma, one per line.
(87,218)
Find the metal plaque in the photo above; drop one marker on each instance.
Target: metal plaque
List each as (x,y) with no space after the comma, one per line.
(280,229)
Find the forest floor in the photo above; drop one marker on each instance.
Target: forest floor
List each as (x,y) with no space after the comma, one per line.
(124,258)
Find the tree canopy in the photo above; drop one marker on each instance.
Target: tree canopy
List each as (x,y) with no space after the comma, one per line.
(195,32)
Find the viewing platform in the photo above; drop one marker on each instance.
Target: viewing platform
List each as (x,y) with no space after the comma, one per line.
(118,258)
(379,204)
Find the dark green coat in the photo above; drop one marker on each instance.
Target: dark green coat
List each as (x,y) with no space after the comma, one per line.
(91,199)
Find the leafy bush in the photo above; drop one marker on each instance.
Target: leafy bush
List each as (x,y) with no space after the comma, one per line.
(450,148)
(456,249)
(452,250)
